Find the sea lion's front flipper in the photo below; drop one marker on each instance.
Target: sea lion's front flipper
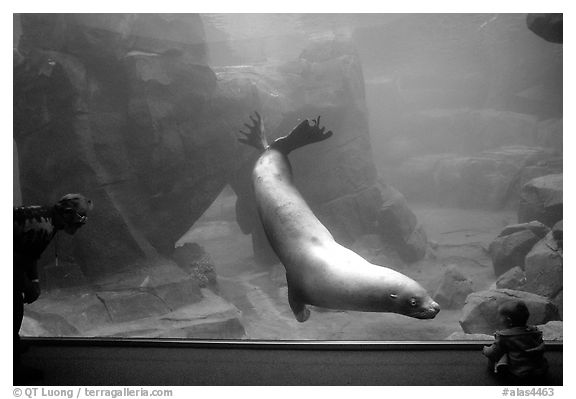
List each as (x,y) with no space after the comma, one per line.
(301,312)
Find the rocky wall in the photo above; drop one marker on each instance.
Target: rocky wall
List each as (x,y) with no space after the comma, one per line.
(125,109)
(116,106)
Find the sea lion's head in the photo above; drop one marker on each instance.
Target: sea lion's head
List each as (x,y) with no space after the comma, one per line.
(412,300)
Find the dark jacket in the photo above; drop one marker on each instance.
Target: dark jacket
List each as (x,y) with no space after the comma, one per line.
(520,350)
(33,231)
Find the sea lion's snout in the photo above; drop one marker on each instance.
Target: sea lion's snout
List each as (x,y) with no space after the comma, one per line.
(430,311)
(434,309)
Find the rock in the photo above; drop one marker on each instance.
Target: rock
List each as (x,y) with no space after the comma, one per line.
(559,302)
(509,249)
(497,128)
(543,266)
(538,229)
(212,317)
(230,328)
(513,279)
(121,100)
(16,191)
(532,172)
(469,131)
(520,155)
(414,178)
(59,79)
(346,217)
(547,26)
(541,199)
(193,259)
(33,328)
(178,294)
(67,274)
(398,225)
(169,142)
(107,37)
(550,133)
(454,289)
(379,209)
(473,181)
(132,304)
(169,33)
(557,235)
(43,31)
(480,313)
(491,179)
(529,163)
(79,307)
(37,324)
(552,331)
(462,336)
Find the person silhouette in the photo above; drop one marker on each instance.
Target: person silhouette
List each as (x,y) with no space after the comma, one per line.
(517,354)
(34,228)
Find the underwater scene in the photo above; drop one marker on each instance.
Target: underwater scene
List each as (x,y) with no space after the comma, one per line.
(385,177)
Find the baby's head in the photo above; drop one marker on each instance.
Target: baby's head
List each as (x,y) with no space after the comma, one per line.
(513,313)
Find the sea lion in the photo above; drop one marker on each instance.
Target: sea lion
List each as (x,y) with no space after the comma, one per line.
(319,271)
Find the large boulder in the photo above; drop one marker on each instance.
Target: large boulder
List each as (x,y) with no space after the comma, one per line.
(513,279)
(473,182)
(467,131)
(544,266)
(480,313)
(398,225)
(116,106)
(538,229)
(194,260)
(489,179)
(131,304)
(414,177)
(522,155)
(36,324)
(547,26)
(552,331)
(541,199)
(462,336)
(158,300)
(212,318)
(454,289)
(528,163)
(58,154)
(511,246)
(559,302)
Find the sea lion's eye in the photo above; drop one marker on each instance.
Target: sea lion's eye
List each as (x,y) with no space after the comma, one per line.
(413,302)
(393,296)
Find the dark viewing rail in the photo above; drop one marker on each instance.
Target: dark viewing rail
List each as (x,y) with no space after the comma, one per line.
(271,344)
(177,362)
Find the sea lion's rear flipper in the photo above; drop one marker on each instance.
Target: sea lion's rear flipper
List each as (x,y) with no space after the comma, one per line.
(255,137)
(303,134)
(301,312)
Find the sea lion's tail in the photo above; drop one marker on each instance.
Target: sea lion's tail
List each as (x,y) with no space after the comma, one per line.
(255,136)
(307,132)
